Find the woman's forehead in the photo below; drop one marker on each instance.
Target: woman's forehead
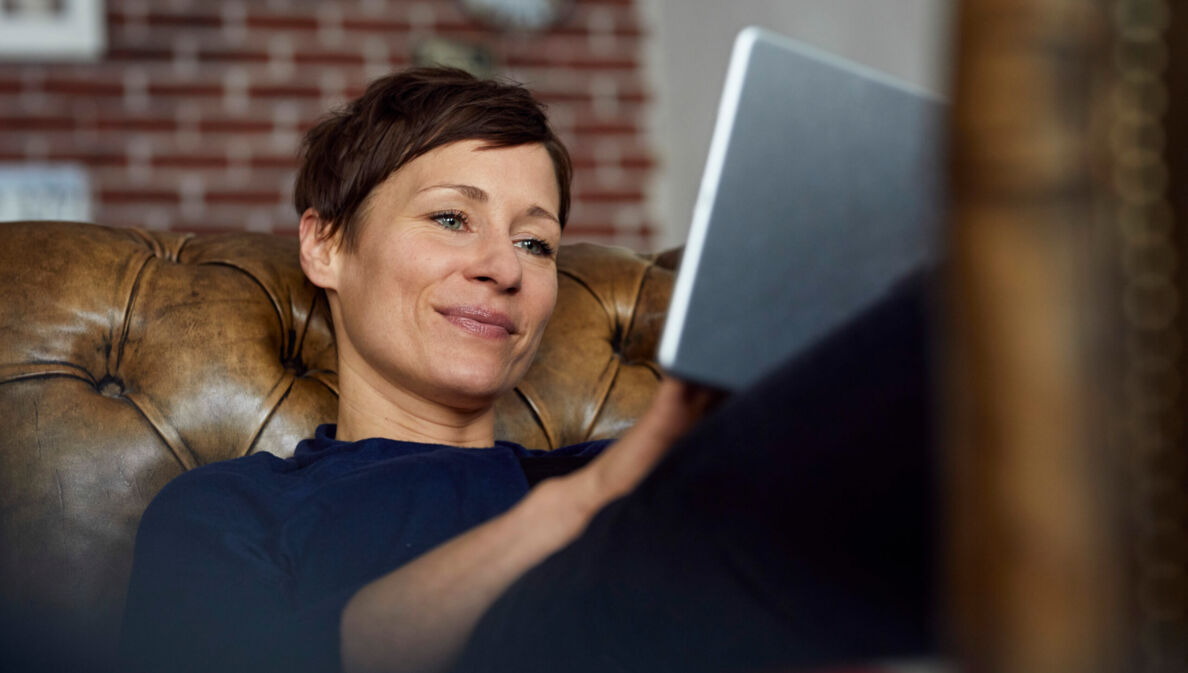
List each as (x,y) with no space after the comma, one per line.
(477,171)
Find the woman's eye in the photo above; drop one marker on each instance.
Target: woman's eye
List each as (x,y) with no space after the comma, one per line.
(535,246)
(452,220)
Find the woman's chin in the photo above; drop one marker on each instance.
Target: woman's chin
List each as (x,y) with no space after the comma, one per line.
(473,389)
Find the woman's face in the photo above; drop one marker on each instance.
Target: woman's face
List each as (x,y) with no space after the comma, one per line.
(447,294)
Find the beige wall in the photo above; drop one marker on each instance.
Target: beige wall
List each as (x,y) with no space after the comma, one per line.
(687,62)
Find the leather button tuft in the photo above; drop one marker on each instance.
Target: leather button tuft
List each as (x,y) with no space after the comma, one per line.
(111,387)
(295,365)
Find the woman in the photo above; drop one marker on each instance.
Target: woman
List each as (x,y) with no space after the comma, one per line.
(431,212)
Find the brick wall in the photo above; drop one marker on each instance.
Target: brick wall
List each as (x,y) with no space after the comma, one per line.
(192,119)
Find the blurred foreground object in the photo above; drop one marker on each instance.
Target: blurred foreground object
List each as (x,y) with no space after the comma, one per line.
(1069,486)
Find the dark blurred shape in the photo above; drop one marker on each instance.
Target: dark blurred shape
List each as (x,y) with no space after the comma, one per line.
(1068,480)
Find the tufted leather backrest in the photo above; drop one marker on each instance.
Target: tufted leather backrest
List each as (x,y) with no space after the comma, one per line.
(128,357)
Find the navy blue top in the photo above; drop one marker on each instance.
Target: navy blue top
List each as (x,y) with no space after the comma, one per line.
(247,564)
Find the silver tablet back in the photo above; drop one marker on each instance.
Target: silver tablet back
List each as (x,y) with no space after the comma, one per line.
(822,189)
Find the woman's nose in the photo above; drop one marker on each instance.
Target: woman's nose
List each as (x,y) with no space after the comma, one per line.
(496,262)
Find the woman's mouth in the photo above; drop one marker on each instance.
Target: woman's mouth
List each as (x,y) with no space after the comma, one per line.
(480,321)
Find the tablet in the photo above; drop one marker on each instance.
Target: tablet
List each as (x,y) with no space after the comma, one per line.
(822,189)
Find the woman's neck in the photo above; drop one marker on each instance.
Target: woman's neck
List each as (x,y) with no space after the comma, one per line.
(375,409)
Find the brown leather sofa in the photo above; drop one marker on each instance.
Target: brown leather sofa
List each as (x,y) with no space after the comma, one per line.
(128,357)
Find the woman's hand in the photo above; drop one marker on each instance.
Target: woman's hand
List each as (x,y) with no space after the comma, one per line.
(419,616)
(677,406)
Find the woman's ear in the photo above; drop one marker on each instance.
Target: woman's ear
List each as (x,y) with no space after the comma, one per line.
(319,250)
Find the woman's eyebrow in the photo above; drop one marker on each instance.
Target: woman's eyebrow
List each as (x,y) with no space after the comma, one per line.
(469,191)
(537,211)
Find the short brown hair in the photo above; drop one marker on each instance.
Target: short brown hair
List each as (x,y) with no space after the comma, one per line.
(399,118)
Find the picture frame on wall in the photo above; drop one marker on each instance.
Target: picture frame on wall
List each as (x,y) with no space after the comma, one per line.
(32,30)
(57,191)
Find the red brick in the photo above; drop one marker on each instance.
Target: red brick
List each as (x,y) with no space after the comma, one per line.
(307,57)
(553,97)
(135,124)
(88,158)
(598,196)
(244,197)
(160,19)
(284,91)
(82,87)
(629,159)
(190,161)
(606,128)
(581,30)
(231,56)
(234,126)
(352,91)
(184,90)
(541,60)
(138,54)
(368,25)
(644,163)
(26,123)
(275,161)
(281,22)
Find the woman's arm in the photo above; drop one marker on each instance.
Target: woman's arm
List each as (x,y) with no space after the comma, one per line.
(418,617)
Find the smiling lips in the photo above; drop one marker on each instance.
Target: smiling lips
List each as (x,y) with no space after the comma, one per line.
(480,321)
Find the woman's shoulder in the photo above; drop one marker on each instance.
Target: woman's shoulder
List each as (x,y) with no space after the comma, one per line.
(238,485)
(215,489)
